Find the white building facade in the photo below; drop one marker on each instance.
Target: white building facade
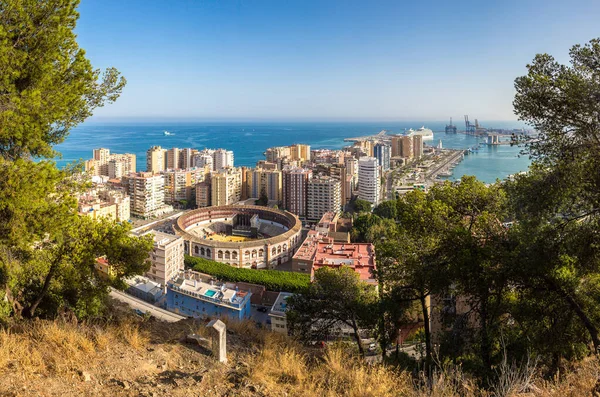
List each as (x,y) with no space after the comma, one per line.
(369,184)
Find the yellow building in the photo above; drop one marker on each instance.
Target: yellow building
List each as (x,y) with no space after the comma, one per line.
(300,152)
(226,187)
(267,181)
(98,210)
(156,159)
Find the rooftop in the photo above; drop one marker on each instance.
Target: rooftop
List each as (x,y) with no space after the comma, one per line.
(144,284)
(162,239)
(358,256)
(191,284)
(309,246)
(280,306)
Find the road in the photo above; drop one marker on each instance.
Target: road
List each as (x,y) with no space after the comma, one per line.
(136,303)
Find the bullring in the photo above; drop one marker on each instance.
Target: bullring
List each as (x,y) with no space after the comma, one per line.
(246,236)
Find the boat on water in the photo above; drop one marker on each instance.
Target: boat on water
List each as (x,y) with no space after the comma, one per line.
(167,133)
(426,133)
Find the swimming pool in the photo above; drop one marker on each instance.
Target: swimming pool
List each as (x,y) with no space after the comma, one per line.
(210,293)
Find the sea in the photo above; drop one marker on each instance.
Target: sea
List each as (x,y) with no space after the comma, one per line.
(249,140)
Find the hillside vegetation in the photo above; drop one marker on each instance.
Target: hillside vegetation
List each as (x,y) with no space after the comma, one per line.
(130,356)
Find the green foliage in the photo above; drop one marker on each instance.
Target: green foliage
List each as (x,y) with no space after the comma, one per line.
(273,280)
(362,225)
(62,273)
(337,296)
(48,86)
(359,206)
(387,209)
(557,204)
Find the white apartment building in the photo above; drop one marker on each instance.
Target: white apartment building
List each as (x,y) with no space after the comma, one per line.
(180,184)
(278,313)
(369,184)
(324,195)
(204,159)
(222,159)
(112,165)
(147,194)
(166,257)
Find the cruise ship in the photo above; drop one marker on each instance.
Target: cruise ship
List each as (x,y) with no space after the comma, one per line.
(426,133)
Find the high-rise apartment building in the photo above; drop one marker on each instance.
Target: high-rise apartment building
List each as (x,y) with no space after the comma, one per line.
(102,155)
(340,173)
(268,182)
(295,190)
(186,158)
(222,159)
(324,195)
(204,159)
(382,153)
(180,184)
(300,152)
(418,146)
(406,147)
(166,257)
(147,193)
(120,165)
(351,164)
(396,145)
(111,165)
(274,154)
(173,159)
(156,159)
(369,184)
(226,186)
(365,146)
(204,193)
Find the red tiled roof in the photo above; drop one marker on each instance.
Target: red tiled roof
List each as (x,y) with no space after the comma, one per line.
(358,256)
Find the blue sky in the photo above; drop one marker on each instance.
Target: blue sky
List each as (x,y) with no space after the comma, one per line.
(321,60)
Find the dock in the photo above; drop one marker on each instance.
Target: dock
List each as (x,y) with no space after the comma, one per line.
(379,136)
(446,165)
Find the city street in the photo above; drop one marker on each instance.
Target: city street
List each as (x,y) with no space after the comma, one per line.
(138,304)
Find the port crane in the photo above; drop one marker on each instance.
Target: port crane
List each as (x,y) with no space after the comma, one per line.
(470,128)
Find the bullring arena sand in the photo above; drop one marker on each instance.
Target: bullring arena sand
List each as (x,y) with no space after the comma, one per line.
(221,237)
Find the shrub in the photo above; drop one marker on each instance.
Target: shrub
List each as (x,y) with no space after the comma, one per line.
(272,280)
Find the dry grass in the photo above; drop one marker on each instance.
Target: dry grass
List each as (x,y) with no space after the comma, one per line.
(283,368)
(133,336)
(48,354)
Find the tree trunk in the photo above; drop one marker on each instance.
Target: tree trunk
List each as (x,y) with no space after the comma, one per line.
(29,311)
(587,322)
(16,306)
(361,350)
(423,298)
(485,337)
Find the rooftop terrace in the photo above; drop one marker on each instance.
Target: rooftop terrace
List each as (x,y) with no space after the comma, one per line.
(190,284)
